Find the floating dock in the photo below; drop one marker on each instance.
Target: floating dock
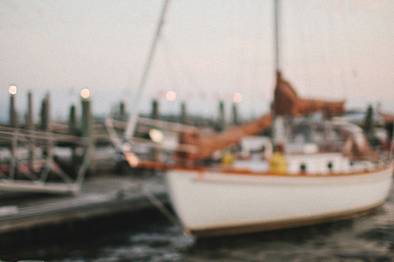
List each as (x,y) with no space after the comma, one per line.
(101,196)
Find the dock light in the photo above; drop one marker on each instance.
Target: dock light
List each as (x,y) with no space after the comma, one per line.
(237,97)
(170,96)
(12,90)
(85,93)
(156,135)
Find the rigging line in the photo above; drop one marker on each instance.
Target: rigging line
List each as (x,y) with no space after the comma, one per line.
(178,68)
(255,73)
(255,87)
(241,53)
(131,124)
(347,48)
(232,47)
(344,53)
(186,74)
(277,35)
(306,55)
(248,51)
(296,51)
(155,201)
(170,68)
(234,34)
(327,51)
(355,69)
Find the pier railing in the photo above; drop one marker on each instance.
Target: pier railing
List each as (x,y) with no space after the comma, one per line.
(28,161)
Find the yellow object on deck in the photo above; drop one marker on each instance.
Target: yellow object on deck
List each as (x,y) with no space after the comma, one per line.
(278,163)
(228,158)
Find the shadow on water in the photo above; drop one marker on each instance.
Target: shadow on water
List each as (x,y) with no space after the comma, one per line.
(79,239)
(358,239)
(292,235)
(289,238)
(148,236)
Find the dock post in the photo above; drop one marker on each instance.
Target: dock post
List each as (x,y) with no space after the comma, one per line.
(368,124)
(13,121)
(72,129)
(155,114)
(222,116)
(122,111)
(87,125)
(45,126)
(13,116)
(72,120)
(29,113)
(234,109)
(30,127)
(44,113)
(183,113)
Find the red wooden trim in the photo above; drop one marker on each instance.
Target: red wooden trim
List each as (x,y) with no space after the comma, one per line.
(247,172)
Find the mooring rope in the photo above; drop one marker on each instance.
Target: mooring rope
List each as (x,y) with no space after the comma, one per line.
(160,206)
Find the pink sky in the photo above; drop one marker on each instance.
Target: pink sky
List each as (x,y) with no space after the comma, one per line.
(333,49)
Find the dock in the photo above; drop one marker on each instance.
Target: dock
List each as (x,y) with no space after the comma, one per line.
(60,172)
(101,196)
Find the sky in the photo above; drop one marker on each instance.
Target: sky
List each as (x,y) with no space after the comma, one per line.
(209,49)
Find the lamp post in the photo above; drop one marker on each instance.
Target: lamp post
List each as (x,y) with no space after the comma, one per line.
(30,127)
(12,90)
(13,117)
(86,114)
(87,124)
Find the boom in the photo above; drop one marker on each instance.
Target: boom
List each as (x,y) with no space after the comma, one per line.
(286,102)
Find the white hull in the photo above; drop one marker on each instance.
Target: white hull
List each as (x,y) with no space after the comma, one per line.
(210,202)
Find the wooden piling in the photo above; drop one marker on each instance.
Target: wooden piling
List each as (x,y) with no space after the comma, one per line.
(155,114)
(44,113)
(73,130)
(183,113)
(86,122)
(122,111)
(30,127)
(13,121)
(13,116)
(29,113)
(72,120)
(234,110)
(87,129)
(45,126)
(222,116)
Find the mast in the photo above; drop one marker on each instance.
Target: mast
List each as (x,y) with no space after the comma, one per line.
(278,123)
(277,35)
(132,122)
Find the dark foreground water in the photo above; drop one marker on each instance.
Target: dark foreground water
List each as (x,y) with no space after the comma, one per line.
(149,237)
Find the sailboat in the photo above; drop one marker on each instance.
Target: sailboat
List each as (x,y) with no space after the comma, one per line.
(221,200)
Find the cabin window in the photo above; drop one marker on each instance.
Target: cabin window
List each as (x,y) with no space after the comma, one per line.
(303,168)
(330,166)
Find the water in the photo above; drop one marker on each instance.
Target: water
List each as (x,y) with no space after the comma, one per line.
(150,237)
